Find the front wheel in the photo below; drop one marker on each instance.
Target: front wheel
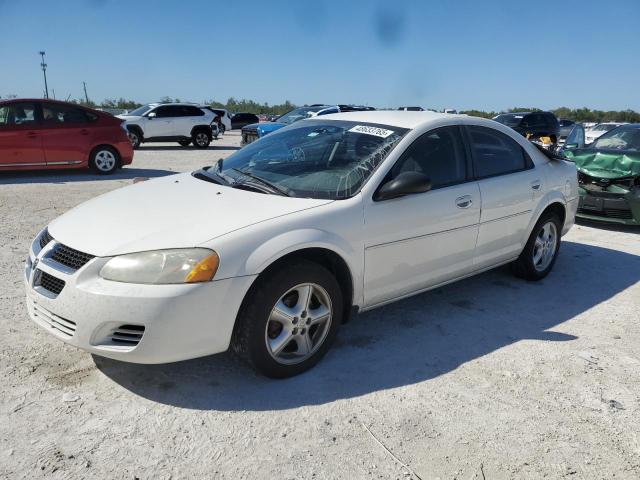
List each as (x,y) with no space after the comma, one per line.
(541,251)
(201,139)
(289,319)
(134,138)
(104,160)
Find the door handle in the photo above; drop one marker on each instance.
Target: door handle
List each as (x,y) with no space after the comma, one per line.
(536,184)
(464,202)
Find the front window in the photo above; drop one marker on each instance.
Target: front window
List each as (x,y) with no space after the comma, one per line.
(140,110)
(299,114)
(622,138)
(315,159)
(509,120)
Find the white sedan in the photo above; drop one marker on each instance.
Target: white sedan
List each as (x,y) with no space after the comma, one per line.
(270,250)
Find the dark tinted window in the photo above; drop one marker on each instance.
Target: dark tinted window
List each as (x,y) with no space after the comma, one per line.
(566,123)
(189,111)
(495,153)
(169,111)
(534,120)
(551,120)
(439,154)
(23,113)
(53,113)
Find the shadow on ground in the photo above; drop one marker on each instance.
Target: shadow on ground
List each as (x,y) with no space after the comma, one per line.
(67,176)
(407,342)
(611,227)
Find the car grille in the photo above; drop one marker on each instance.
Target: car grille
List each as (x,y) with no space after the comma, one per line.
(45,238)
(70,257)
(249,135)
(49,282)
(129,335)
(64,326)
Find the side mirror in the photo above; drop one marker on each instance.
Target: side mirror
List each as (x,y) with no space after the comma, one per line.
(407,183)
(152,115)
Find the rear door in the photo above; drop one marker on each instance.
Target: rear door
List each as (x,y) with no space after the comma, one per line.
(67,134)
(508,185)
(20,135)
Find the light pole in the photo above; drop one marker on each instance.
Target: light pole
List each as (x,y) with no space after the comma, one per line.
(44,72)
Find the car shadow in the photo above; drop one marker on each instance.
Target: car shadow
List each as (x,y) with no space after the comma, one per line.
(169,148)
(78,175)
(404,343)
(611,227)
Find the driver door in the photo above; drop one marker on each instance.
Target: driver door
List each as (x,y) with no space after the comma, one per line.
(421,240)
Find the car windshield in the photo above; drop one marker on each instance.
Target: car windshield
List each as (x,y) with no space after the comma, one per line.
(313,159)
(509,120)
(622,138)
(140,110)
(299,114)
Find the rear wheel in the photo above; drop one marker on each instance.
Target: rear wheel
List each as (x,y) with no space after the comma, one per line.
(185,143)
(222,128)
(289,320)
(201,139)
(104,160)
(135,138)
(540,253)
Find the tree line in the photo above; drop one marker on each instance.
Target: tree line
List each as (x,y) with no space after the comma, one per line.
(244,105)
(575,114)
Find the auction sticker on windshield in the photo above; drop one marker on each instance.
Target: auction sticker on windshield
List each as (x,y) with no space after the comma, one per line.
(375,131)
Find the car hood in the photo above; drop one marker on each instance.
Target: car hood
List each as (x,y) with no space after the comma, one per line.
(129,117)
(605,163)
(176,211)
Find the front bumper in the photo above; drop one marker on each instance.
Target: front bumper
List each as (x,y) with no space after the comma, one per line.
(603,206)
(160,323)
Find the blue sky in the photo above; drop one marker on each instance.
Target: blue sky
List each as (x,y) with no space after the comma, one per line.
(448,53)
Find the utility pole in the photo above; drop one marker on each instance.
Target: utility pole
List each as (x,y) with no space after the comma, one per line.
(44,72)
(86,97)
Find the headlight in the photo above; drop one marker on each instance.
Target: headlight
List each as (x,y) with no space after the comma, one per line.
(190,265)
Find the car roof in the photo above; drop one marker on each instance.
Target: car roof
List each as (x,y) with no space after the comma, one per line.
(395,118)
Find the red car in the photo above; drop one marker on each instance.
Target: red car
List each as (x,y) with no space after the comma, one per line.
(46,134)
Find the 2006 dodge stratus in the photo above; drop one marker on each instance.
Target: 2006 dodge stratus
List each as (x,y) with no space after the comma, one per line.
(270,250)
(609,176)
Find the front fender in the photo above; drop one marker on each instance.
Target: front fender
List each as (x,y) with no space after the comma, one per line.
(289,242)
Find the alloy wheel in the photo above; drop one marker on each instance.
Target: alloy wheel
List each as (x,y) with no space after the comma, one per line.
(298,323)
(105,161)
(544,248)
(202,139)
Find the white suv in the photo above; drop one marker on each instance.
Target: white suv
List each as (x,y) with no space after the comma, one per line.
(168,122)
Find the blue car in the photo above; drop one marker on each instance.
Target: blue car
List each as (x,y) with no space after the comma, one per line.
(253,132)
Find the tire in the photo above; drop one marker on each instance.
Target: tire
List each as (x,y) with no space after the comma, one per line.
(541,251)
(104,160)
(201,139)
(222,128)
(185,143)
(289,340)
(135,138)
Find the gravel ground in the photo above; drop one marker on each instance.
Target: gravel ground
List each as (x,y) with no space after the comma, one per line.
(489,378)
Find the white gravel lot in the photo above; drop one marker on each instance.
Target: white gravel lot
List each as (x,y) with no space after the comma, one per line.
(489,378)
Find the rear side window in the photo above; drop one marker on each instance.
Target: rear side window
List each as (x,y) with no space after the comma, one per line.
(188,111)
(23,113)
(439,154)
(534,120)
(495,153)
(53,114)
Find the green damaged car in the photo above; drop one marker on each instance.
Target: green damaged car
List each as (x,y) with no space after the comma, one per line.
(609,176)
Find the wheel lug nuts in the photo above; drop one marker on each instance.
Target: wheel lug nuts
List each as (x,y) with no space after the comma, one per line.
(295,320)
(304,314)
(308,321)
(302,331)
(295,331)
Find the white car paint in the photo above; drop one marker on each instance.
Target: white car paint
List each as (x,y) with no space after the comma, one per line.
(393,249)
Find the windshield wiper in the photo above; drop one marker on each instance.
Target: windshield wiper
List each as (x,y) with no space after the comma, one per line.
(264,182)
